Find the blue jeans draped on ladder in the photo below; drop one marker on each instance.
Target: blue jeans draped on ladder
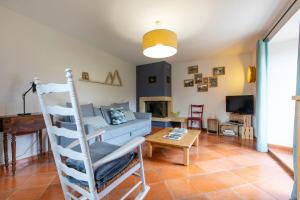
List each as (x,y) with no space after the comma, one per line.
(261,95)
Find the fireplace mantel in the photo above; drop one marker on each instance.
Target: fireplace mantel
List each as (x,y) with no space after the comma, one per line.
(156,98)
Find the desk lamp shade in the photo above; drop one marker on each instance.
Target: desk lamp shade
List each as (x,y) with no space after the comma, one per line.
(33,87)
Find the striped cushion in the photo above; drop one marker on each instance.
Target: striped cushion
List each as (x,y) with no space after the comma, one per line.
(129,115)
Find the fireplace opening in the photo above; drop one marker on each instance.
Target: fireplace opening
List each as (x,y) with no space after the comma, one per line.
(157,108)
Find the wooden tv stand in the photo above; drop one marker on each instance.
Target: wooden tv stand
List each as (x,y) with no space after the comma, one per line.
(240,124)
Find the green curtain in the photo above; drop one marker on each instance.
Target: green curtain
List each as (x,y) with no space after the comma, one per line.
(261,95)
(294,193)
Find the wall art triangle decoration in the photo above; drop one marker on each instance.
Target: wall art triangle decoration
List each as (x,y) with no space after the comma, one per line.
(112,79)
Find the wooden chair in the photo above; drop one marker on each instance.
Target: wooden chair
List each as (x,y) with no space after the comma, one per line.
(81,183)
(196,115)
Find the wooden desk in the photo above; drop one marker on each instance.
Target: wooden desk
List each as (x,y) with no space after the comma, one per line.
(20,125)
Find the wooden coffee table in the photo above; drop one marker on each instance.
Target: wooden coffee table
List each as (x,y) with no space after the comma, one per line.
(188,139)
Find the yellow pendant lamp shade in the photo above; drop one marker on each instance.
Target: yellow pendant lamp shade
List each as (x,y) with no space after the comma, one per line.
(160,43)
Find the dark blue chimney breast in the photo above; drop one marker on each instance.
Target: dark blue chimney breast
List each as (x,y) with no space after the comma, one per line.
(153,80)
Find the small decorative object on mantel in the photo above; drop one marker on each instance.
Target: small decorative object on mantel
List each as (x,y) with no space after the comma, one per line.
(111,79)
(219,71)
(202,87)
(198,78)
(213,81)
(193,69)
(85,76)
(175,114)
(189,83)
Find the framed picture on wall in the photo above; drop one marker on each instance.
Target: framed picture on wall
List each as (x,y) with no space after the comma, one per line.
(205,80)
(193,69)
(152,79)
(168,79)
(213,81)
(189,83)
(198,78)
(85,76)
(219,71)
(202,87)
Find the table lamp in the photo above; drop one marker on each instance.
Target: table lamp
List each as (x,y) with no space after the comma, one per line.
(33,88)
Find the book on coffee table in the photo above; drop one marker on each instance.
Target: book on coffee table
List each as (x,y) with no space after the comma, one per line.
(179,131)
(176,134)
(172,137)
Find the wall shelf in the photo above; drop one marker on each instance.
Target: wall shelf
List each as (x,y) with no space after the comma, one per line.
(110,80)
(98,82)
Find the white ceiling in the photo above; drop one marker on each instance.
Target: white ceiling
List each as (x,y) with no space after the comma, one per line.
(205,28)
(289,31)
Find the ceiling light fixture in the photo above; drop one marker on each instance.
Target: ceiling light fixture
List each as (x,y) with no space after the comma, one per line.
(160,43)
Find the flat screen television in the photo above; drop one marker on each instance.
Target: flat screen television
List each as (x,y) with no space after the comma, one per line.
(240,104)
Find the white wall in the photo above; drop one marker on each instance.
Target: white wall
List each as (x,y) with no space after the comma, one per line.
(234,82)
(29,49)
(282,86)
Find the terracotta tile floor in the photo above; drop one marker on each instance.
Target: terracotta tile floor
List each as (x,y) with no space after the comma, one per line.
(222,168)
(286,157)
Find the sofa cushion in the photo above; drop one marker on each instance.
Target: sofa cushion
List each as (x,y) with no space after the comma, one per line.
(117,116)
(120,140)
(142,131)
(118,130)
(105,172)
(96,122)
(129,115)
(124,105)
(105,110)
(87,110)
(97,111)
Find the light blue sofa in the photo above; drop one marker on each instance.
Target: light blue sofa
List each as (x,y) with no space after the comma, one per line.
(114,134)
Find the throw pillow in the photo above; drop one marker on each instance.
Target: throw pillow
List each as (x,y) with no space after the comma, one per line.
(96,122)
(124,105)
(105,110)
(117,116)
(87,110)
(129,115)
(97,111)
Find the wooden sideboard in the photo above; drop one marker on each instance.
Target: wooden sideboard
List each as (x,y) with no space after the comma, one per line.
(240,124)
(15,125)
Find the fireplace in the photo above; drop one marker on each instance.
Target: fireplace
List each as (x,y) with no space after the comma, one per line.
(157,108)
(160,107)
